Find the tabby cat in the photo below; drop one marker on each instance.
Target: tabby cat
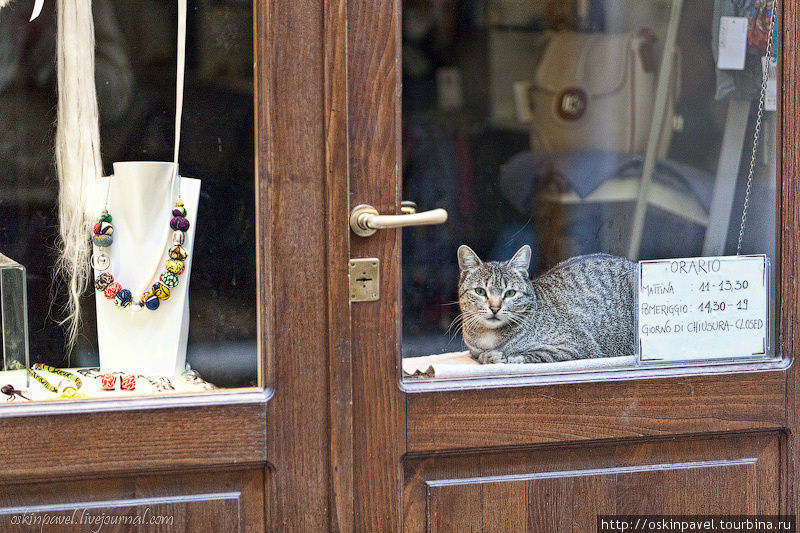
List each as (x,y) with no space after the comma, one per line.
(581,308)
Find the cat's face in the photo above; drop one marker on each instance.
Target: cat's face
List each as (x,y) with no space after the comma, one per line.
(491,294)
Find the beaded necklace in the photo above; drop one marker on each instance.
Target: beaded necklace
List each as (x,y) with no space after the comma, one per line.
(103,237)
(103,230)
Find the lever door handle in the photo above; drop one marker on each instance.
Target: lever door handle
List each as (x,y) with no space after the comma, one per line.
(365,219)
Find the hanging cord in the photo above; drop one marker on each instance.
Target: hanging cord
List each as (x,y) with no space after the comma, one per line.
(175,185)
(179,78)
(759,115)
(179,83)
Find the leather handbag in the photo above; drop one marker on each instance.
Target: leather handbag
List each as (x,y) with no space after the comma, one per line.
(596,91)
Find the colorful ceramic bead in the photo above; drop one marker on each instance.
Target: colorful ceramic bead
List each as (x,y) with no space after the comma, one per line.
(175,266)
(179,253)
(151,301)
(127,382)
(103,280)
(169,279)
(161,290)
(179,224)
(112,290)
(103,241)
(108,382)
(102,237)
(123,298)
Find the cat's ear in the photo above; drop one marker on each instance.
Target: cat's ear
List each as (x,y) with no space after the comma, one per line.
(467,258)
(521,260)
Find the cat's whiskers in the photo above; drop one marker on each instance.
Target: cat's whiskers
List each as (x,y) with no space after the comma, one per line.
(466,318)
(471,318)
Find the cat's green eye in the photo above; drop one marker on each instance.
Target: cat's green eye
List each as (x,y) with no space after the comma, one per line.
(509,293)
(480,291)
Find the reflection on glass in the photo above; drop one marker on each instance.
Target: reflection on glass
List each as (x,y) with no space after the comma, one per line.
(571,128)
(135,67)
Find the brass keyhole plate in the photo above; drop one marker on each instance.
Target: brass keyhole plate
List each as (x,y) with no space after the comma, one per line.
(365,279)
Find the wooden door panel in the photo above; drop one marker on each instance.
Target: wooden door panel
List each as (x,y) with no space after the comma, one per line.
(206,501)
(565,489)
(516,416)
(229,428)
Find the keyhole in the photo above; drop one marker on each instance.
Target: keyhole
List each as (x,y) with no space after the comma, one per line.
(363,279)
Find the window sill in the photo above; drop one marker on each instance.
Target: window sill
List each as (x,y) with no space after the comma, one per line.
(421,385)
(221,397)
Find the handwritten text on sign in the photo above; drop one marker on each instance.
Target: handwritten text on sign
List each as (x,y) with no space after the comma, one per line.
(702,308)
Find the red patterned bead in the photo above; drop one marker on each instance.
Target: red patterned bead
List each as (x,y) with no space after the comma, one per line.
(128,382)
(112,290)
(108,382)
(96,229)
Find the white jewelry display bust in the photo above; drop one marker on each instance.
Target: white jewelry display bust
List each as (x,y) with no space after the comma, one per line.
(141,200)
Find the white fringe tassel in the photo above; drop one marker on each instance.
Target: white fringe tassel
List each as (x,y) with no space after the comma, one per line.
(77,151)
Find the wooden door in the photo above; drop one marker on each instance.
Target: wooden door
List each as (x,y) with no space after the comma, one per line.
(493,455)
(334,440)
(138,461)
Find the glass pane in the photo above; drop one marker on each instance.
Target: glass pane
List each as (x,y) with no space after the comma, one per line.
(573,128)
(135,78)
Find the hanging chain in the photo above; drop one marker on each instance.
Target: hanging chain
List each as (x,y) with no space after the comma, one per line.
(759,115)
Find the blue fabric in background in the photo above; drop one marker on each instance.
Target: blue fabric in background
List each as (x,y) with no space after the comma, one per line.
(583,171)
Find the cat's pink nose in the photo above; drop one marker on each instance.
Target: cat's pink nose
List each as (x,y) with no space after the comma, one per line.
(494,309)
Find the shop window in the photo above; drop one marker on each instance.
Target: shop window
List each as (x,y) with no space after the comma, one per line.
(135,79)
(554,130)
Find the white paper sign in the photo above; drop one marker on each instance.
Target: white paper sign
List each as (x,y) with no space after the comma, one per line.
(732,43)
(770,65)
(702,308)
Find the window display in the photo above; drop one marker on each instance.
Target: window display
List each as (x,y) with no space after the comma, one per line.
(134,238)
(141,289)
(584,138)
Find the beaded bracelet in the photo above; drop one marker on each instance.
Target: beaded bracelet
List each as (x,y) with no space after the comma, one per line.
(47,385)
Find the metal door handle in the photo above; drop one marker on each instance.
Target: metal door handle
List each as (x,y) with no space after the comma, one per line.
(365,219)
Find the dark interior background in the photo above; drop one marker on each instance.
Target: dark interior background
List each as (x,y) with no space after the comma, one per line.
(136,42)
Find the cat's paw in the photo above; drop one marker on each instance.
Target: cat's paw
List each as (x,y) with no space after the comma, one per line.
(492,356)
(518,359)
